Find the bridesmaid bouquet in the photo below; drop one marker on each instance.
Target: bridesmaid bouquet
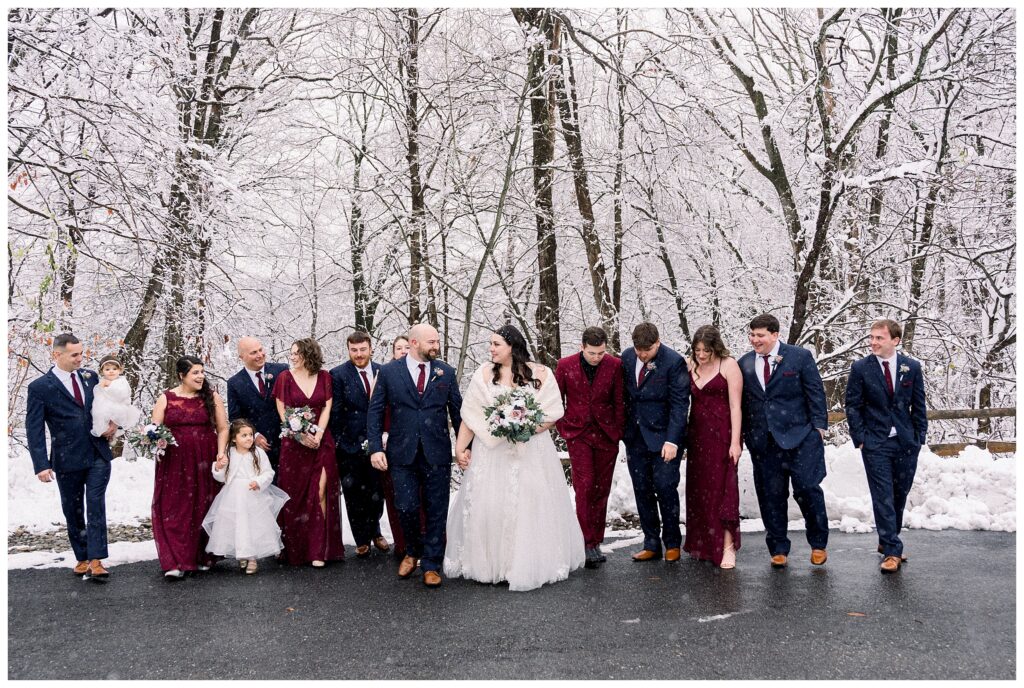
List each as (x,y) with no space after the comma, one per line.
(297,421)
(514,415)
(150,441)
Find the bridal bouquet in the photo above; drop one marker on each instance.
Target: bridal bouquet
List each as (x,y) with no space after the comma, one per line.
(297,421)
(514,415)
(150,441)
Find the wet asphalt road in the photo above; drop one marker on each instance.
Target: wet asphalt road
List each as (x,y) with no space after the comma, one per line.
(949,614)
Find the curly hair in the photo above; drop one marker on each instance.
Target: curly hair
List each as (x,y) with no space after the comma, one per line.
(711,338)
(235,428)
(312,354)
(521,373)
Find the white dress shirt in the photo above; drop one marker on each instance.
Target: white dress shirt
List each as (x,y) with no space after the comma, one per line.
(895,378)
(759,363)
(414,370)
(252,376)
(65,379)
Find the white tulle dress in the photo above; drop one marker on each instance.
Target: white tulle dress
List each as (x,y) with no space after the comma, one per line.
(113,403)
(242,523)
(512,518)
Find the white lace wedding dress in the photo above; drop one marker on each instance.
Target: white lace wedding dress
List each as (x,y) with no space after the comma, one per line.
(512,518)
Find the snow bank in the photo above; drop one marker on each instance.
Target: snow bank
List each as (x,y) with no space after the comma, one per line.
(971,491)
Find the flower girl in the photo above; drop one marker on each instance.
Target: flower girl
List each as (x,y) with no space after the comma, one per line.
(242,521)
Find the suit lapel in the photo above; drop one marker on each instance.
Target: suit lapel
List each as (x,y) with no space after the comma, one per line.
(751,374)
(55,381)
(408,378)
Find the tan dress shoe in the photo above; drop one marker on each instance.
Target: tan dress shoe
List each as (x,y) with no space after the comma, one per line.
(96,569)
(779,561)
(406,568)
(381,544)
(818,557)
(431,579)
(672,554)
(81,568)
(646,555)
(363,551)
(890,564)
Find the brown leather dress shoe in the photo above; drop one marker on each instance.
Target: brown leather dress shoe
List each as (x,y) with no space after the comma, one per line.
(363,551)
(381,544)
(96,569)
(672,554)
(81,568)
(431,579)
(646,555)
(818,557)
(406,568)
(779,561)
(903,557)
(890,564)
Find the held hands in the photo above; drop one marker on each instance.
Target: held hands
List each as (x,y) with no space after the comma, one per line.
(668,451)
(734,453)
(262,443)
(463,457)
(111,428)
(253,485)
(45,475)
(379,461)
(222,461)
(822,433)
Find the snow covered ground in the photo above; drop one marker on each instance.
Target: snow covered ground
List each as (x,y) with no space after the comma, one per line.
(972,491)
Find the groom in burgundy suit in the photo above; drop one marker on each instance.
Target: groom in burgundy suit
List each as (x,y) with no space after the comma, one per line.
(591,384)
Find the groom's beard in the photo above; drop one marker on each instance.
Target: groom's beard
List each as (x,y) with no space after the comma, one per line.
(429,356)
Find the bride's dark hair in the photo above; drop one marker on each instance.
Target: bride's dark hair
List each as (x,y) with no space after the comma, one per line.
(521,373)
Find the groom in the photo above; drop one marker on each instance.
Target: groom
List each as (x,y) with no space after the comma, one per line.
(421,394)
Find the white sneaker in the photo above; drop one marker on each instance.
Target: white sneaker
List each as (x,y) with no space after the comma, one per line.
(318,564)
(203,568)
(174,573)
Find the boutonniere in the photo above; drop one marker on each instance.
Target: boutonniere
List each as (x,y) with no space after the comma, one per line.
(437,373)
(269,376)
(86,374)
(651,367)
(904,368)
(777,360)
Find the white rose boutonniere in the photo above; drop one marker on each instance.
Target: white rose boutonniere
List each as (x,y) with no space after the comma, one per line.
(777,360)
(87,375)
(904,368)
(269,376)
(651,367)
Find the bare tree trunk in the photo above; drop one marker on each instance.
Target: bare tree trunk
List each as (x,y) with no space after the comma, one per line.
(536,22)
(409,66)
(621,21)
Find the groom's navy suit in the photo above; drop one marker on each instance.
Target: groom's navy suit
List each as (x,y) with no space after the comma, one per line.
(780,424)
(361,482)
(80,461)
(656,413)
(245,401)
(890,460)
(419,450)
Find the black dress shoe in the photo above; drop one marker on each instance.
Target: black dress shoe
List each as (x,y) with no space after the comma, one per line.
(600,555)
(593,561)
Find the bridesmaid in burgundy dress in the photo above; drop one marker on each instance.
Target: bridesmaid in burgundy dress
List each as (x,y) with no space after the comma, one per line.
(311,518)
(713,450)
(184,486)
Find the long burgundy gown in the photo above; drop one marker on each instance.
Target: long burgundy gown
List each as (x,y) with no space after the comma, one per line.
(307,534)
(184,488)
(712,487)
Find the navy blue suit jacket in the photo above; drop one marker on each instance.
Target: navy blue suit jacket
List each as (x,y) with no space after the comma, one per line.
(789,407)
(244,401)
(51,406)
(348,412)
(656,411)
(415,420)
(871,413)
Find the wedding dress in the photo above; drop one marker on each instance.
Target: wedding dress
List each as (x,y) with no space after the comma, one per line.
(512,518)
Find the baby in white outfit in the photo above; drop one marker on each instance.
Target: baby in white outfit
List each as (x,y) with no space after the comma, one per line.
(112,399)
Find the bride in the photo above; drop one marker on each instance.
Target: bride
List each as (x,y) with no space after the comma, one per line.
(512,518)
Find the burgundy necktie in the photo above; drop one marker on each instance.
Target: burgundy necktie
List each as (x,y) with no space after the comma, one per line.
(263,387)
(78,391)
(888,378)
(422,381)
(641,376)
(767,370)
(366,382)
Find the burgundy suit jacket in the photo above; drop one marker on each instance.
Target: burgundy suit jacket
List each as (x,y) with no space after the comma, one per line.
(595,412)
